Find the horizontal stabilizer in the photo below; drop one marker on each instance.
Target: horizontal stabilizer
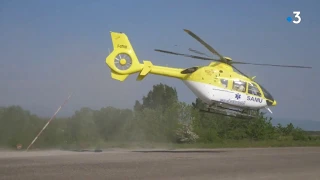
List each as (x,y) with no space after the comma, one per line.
(145,70)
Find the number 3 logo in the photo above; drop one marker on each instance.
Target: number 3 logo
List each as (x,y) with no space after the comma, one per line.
(297,16)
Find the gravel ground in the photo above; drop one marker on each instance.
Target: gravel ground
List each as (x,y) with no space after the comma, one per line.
(246,164)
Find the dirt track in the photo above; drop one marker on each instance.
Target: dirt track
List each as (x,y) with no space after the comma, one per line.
(246,164)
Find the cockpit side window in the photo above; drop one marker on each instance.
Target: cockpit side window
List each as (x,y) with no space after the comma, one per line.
(254,90)
(239,85)
(224,83)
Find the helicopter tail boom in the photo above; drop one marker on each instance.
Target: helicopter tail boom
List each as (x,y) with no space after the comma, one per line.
(123,61)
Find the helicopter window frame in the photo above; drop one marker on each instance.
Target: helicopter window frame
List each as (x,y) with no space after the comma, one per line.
(256,89)
(236,85)
(266,94)
(224,82)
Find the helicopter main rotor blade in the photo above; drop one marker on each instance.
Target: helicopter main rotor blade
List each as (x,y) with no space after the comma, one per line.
(205,44)
(187,55)
(239,71)
(198,52)
(278,65)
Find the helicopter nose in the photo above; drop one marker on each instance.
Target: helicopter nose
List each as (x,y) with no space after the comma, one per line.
(271,102)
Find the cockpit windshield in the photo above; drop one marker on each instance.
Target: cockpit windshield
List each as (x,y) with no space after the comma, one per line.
(266,93)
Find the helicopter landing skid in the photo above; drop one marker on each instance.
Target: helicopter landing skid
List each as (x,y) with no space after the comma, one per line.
(233,113)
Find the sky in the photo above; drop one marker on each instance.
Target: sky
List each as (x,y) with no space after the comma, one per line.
(49,49)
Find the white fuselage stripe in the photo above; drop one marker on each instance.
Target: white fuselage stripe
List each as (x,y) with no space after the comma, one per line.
(210,93)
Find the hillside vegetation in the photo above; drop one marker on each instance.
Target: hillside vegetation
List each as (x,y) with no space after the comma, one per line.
(159,119)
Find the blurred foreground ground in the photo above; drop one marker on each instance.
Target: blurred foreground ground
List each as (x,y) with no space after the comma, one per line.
(251,163)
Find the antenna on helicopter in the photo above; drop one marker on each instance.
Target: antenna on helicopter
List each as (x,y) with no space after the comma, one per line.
(269,110)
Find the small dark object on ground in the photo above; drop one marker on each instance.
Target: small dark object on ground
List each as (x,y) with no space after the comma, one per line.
(86,150)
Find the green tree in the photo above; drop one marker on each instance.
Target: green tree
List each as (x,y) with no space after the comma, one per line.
(157,117)
(110,122)
(82,128)
(205,124)
(160,97)
(17,126)
(260,128)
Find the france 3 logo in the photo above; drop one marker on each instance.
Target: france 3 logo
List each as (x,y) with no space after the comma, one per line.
(296,19)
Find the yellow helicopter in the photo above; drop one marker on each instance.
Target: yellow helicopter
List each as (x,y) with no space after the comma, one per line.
(222,89)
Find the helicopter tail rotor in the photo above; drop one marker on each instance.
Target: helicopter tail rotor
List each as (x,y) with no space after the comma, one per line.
(123,61)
